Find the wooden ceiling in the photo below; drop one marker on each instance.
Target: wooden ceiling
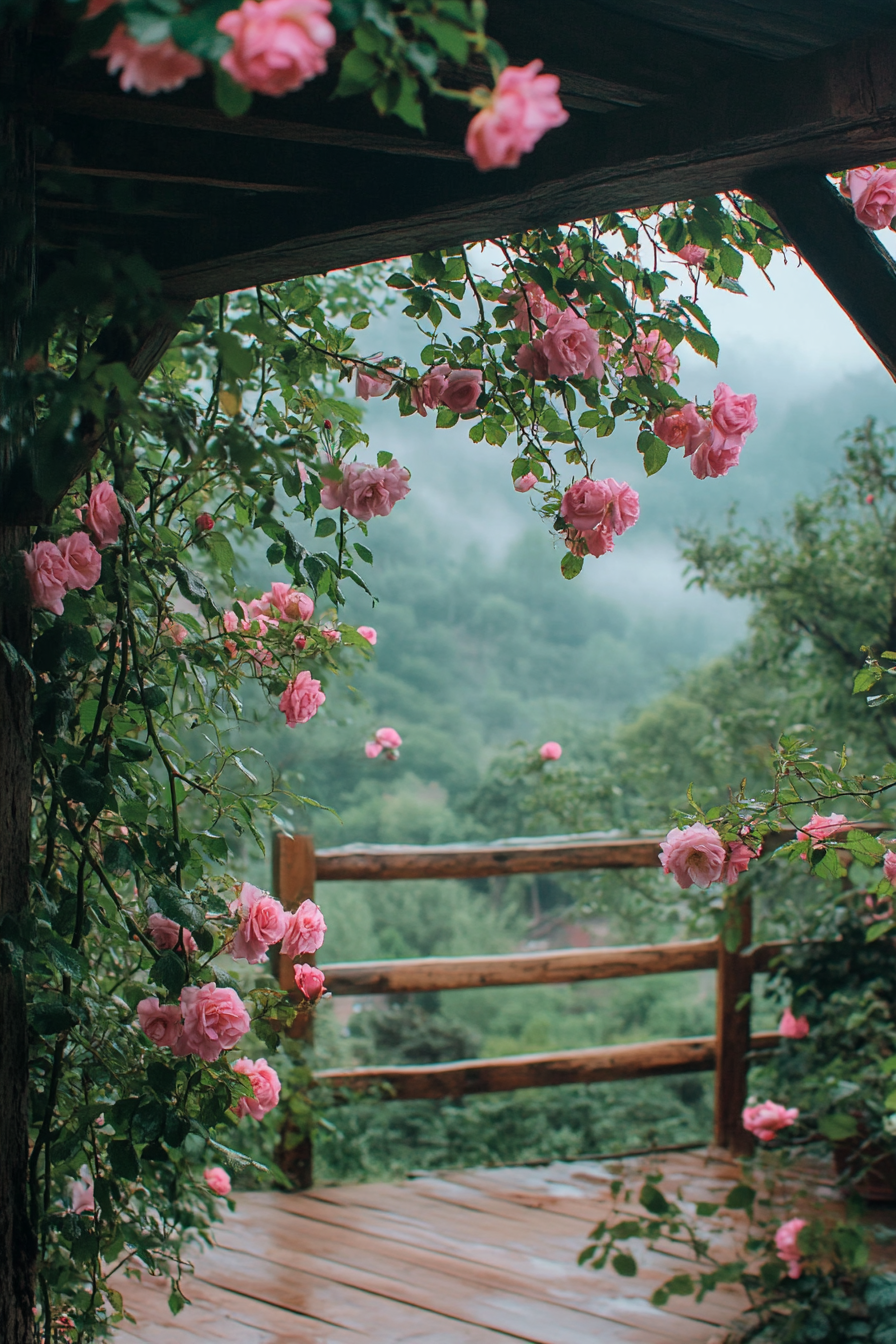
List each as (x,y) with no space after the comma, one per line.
(667,101)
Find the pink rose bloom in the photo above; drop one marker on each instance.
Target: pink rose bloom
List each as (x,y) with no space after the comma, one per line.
(532,359)
(531,306)
(462,390)
(428,392)
(277,44)
(83,560)
(624,506)
(597,542)
(263,922)
(82,1193)
(738,861)
(732,415)
(330,635)
(367,492)
(231,648)
(104,517)
(692,254)
(217,1180)
(48,575)
(309,982)
(205,522)
(585,504)
(387,737)
(166,934)
(652,355)
(571,348)
(794,1028)
(694,855)
(174,630)
(372,750)
(367,632)
(265,1085)
(523,106)
(300,641)
(715,458)
(157,68)
(683,428)
(525,483)
(161,1022)
(291,604)
(231,621)
(305,931)
(301,699)
(550,751)
(369,384)
(819,829)
(787,1245)
(873,193)
(767,1118)
(214,1020)
(890,867)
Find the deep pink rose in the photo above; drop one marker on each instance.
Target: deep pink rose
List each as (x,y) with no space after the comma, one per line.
(533,359)
(214,1020)
(873,193)
(585,504)
(531,306)
(369,384)
(166,934)
(694,855)
(387,737)
(305,931)
(787,1245)
(309,982)
(738,861)
(767,1118)
(157,68)
(794,1028)
(367,632)
(523,484)
(890,867)
(571,348)
(523,106)
(292,604)
(265,1085)
(428,392)
(819,829)
(262,923)
(652,355)
(277,44)
(684,428)
(217,1180)
(104,517)
(732,415)
(48,576)
(692,254)
(462,390)
(372,750)
(301,699)
(205,522)
(161,1022)
(83,560)
(550,751)
(82,1192)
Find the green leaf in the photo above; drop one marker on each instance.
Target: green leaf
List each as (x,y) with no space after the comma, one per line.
(132,750)
(865,679)
(231,98)
(177,1127)
(865,848)
(365,554)
(169,972)
(190,584)
(360,321)
(66,959)
(176,1301)
(706,1210)
(654,451)
(161,1078)
(82,787)
(625,1265)
(890,1101)
(123,1159)
(49,1019)
(149,1122)
(741,1197)
(325,528)
(653,1199)
(681,1285)
(358,73)
(571,565)
(221,551)
(703,343)
(838,1126)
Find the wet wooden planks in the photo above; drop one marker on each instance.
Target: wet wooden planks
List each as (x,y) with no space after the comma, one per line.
(453,1258)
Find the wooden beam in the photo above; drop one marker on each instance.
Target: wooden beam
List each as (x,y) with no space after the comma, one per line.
(138,175)
(848,259)
(604,1064)
(419,975)
(734,984)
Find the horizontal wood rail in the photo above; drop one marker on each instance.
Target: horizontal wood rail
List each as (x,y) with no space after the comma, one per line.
(606,1063)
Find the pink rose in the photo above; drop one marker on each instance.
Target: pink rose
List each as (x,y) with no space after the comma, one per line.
(692,254)
(367,632)
(300,641)
(462,390)
(568,349)
(231,648)
(160,1022)
(372,750)
(214,1020)
(523,106)
(331,635)
(231,621)
(205,522)
(584,505)
(525,483)
(217,1180)
(653,356)
(104,517)
(739,858)
(819,829)
(550,751)
(48,575)
(890,867)
(174,630)
(694,855)
(794,1028)
(305,931)
(366,491)
(428,392)
(787,1245)
(387,737)
(533,359)
(291,604)
(166,934)
(624,506)
(733,416)
(262,923)
(157,68)
(301,699)
(83,560)
(277,44)
(265,1086)
(873,193)
(369,384)
(767,1118)
(683,428)
(715,458)
(82,1193)
(309,982)
(531,306)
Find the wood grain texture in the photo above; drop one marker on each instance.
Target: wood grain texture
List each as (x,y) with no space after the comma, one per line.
(734,982)
(294,883)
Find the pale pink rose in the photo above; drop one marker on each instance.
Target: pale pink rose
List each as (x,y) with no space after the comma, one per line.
(524,105)
(652,355)
(166,934)
(550,751)
(301,699)
(292,604)
(174,630)
(794,1028)
(104,516)
(48,576)
(873,193)
(309,982)
(231,621)
(367,632)
(387,737)
(305,931)
(82,1193)
(277,44)
(584,505)
(330,635)
(368,384)
(531,306)
(258,609)
(157,68)
(694,855)
(890,867)
(83,560)
(599,541)
(819,829)
(462,390)
(684,428)
(265,1085)
(787,1245)
(623,508)
(715,458)
(217,1180)
(766,1119)
(732,415)
(571,348)
(372,750)
(738,861)
(161,1022)
(533,359)
(214,1020)
(692,254)
(365,491)
(428,392)
(262,923)
(523,484)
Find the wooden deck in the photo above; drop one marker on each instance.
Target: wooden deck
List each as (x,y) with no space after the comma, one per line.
(453,1258)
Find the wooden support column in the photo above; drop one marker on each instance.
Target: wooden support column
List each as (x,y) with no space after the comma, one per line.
(294,883)
(733,982)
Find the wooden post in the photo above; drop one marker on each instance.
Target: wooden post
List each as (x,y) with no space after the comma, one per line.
(733,981)
(294,883)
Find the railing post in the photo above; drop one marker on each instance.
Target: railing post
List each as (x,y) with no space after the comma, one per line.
(293,883)
(734,982)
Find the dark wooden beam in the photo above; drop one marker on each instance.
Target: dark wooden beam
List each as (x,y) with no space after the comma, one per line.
(138,175)
(847,258)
